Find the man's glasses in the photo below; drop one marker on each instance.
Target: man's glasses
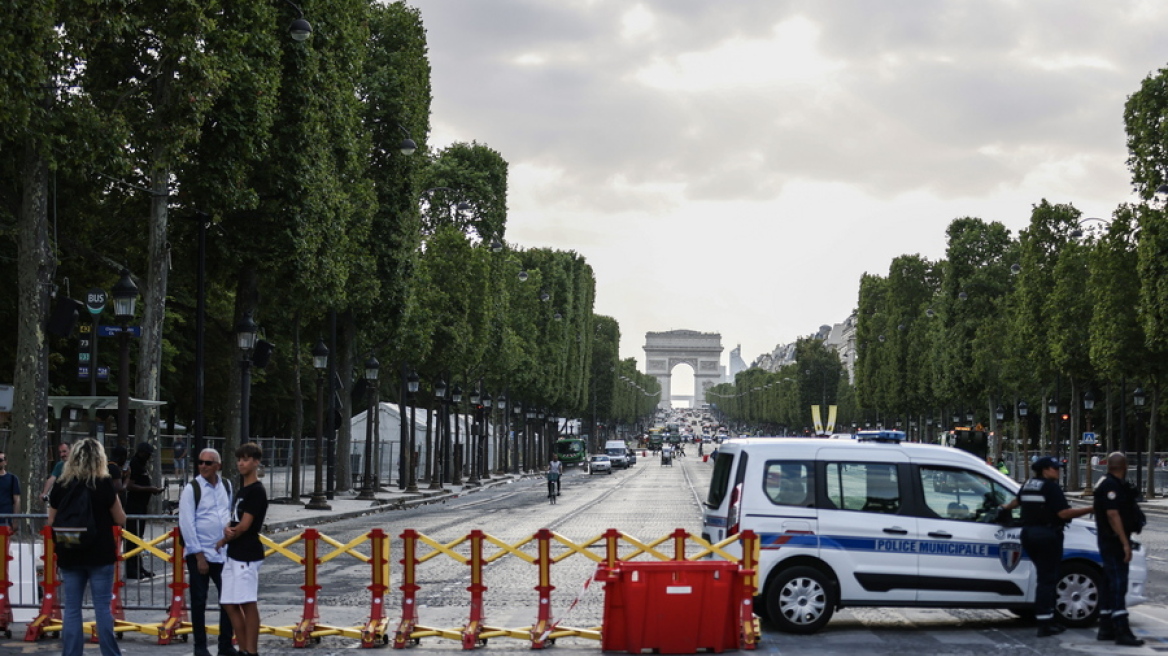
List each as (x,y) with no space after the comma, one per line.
(208,462)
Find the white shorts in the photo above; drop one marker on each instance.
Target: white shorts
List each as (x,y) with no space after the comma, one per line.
(241,582)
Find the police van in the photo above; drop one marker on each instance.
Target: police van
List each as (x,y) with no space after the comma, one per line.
(861,523)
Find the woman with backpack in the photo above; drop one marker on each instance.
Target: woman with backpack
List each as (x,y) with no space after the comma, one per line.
(83,508)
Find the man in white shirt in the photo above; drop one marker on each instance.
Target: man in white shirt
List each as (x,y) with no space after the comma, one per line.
(202,520)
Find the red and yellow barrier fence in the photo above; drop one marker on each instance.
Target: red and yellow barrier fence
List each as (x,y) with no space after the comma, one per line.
(476,550)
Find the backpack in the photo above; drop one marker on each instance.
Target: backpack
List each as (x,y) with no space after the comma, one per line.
(1133,518)
(74,528)
(197,490)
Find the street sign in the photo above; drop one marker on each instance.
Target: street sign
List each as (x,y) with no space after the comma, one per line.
(95,300)
(110,331)
(1089,438)
(103,373)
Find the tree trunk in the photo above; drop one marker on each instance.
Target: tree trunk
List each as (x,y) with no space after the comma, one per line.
(30,420)
(153,286)
(247,299)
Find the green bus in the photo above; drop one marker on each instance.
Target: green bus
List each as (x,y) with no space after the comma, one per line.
(571,451)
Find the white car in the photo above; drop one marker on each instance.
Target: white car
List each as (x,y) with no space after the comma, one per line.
(864,523)
(598,464)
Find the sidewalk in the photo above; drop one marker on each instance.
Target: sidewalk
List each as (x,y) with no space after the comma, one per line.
(289,516)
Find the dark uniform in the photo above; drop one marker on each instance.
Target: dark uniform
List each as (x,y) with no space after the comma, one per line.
(1042,537)
(1113,493)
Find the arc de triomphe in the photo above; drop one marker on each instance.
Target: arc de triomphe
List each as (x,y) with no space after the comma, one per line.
(702,351)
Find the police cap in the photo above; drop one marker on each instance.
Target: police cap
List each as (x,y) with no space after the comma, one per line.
(1042,463)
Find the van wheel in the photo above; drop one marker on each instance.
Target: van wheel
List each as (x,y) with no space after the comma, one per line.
(801,600)
(1077,595)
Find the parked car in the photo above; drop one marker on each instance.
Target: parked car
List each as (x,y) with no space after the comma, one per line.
(598,464)
(846,523)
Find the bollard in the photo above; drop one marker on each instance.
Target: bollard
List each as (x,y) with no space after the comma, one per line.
(474,626)
(303,631)
(178,589)
(539,632)
(375,628)
(409,589)
(50,607)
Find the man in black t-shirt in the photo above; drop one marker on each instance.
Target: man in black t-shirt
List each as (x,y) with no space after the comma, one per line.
(139,489)
(1113,500)
(9,491)
(245,552)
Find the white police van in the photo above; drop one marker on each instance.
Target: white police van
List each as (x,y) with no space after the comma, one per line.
(860,523)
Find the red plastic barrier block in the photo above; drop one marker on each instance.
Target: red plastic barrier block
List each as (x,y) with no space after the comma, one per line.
(674,607)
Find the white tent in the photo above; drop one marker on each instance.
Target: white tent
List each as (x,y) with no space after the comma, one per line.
(387,441)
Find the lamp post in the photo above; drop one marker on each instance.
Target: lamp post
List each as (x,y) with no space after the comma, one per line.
(1088,405)
(485,438)
(517,410)
(999,415)
(412,451)
(368,490)
(501,445)
(529,441)
(1138,399)
(456,400)
(1052,410)
(125,294)
(245,332)
(476,397)
(441,448)
(320,358)
(1022,410)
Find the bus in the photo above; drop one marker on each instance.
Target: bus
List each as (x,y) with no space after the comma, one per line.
(968,439)
(571,451)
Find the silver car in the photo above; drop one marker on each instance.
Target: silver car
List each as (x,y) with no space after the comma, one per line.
(599,464)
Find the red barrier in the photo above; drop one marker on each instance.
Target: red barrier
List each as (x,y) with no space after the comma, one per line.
(409,588)
(376,628)
(177,613)
(302,634)
(50,605)
(5,583)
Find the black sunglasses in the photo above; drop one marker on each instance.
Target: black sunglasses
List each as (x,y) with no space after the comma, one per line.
(208,462)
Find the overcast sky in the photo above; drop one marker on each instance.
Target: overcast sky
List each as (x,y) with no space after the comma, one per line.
(735,166)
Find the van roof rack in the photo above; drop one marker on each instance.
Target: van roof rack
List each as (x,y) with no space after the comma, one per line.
(884,436)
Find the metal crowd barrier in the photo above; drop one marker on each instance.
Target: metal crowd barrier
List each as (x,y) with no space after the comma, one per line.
(312,550)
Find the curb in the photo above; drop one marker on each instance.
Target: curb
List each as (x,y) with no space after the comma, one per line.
(422,498)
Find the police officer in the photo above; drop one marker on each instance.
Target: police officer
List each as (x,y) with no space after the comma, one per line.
(1045,512)
(1114,501)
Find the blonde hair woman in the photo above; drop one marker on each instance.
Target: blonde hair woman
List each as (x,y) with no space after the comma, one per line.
(87,467)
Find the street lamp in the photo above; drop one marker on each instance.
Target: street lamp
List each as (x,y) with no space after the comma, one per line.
(528,442)
(441,448)
(412,450)
(517,410)
(125,294)
(1138,398)
(372,366)
(1022,410)
(320,357)
(456,400)
(476,397)
(245,332)
(1088,405)
(501,445)
(485,438)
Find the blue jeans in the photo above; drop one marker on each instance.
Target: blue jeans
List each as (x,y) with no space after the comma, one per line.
(101,585)
(200,585)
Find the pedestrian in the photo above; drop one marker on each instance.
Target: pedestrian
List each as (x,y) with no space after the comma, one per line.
(58,468)
(1002,466)
(178,452)
(555,469)
(9,491)
(119,470)
(139,489)
(1116,518)
(204,509)
(245,552)
(94,566)
(1045,512)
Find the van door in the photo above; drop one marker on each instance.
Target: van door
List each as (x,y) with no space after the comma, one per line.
(866,532)
(963,557)
(723,501)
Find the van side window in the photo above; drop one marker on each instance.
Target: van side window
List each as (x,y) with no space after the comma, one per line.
(961,494)
(789,483)
(720,480)
(863,486)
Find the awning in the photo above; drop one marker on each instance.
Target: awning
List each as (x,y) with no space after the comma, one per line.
(94,403)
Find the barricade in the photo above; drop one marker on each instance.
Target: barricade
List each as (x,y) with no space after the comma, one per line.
(476,550)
